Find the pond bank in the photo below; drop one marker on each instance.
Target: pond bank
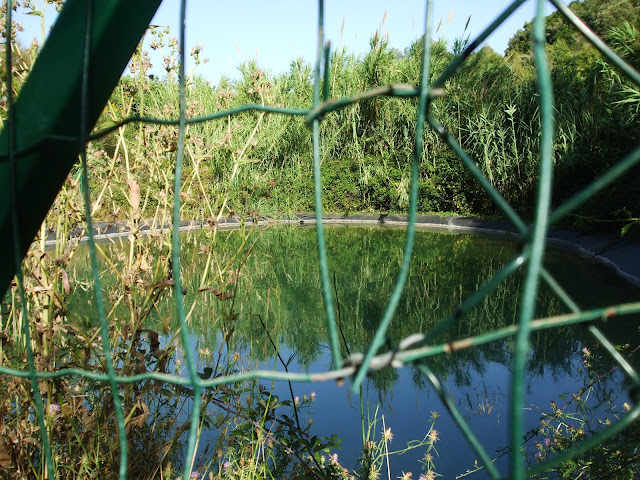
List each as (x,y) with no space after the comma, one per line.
(621,254)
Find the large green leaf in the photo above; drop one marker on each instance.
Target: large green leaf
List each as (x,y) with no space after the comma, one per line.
(49,107)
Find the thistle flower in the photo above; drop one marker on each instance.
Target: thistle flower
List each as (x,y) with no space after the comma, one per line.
(374,473)
(54,408)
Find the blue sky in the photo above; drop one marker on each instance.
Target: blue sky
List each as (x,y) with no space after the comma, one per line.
(276,32)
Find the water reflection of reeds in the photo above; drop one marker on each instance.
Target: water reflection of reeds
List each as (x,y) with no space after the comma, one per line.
(277,278)
(238,284)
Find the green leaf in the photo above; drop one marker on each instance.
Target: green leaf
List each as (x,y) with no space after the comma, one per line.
(219,420)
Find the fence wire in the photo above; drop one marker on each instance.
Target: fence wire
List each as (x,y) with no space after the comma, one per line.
(414,350)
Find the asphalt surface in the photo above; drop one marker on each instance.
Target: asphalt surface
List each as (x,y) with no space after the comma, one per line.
(621,254)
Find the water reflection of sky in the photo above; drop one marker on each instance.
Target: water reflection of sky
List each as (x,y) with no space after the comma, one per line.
(479,379)
(483,402)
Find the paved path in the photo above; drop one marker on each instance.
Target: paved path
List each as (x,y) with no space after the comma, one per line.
(619,253)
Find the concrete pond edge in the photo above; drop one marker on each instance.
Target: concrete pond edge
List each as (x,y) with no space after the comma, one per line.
(618,253)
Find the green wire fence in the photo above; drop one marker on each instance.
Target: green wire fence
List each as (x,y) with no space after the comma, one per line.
(50,124)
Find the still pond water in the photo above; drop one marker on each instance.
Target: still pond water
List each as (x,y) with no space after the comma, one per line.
(278,283)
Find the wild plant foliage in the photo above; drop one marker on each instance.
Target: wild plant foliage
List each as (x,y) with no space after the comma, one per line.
(258,165)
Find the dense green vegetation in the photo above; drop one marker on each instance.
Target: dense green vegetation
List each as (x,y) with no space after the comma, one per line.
(257,162)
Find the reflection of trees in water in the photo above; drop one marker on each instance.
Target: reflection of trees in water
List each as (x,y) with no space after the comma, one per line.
(553,351)
(280,281)
(383,381)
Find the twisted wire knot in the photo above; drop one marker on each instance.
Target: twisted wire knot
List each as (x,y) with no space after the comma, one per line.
(388,359)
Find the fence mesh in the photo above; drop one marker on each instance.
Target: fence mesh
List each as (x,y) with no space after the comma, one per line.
(19,149)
